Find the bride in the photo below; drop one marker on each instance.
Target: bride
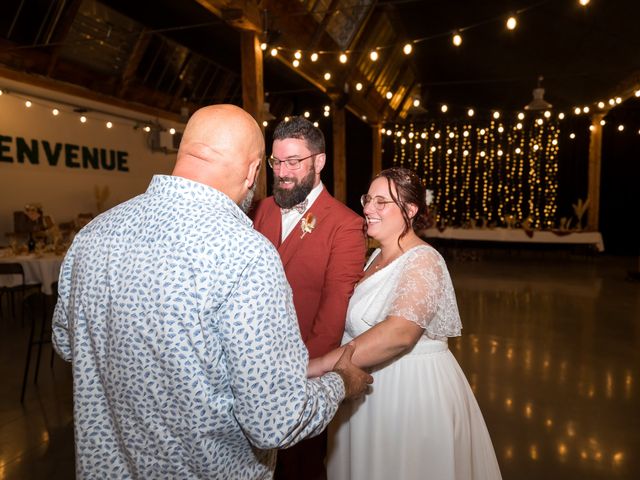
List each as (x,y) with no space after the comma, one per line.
(421,419)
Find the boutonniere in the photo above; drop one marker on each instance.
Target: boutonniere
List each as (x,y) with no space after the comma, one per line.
(307,224)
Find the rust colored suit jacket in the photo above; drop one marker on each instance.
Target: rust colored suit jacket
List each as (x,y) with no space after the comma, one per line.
(322,266)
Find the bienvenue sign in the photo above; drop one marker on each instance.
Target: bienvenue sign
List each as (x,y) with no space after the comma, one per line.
(65,154)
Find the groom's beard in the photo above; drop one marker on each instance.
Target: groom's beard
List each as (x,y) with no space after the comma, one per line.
(287,198)
(245,205)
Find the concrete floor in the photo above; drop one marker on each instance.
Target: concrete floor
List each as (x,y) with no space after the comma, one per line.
(551,347)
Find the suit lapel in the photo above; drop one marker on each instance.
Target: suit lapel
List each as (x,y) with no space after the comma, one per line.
(320,209)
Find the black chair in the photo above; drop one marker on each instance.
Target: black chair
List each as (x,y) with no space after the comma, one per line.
(39,309)
(12,269)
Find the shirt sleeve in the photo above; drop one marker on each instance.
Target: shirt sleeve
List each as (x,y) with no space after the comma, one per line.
(424,294)
(60,324)
(274,403)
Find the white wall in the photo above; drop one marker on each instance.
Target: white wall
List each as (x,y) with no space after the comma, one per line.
(64,191)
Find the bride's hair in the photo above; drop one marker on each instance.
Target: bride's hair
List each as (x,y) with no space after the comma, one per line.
(410,190)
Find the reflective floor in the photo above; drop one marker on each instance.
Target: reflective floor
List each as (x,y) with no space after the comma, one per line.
(551,347)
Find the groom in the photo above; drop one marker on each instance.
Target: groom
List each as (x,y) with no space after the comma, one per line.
(322,247)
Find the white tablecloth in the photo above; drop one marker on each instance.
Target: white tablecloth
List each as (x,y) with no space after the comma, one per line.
(43,269)
(516,235)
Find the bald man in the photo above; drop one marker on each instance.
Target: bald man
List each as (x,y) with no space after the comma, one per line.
(176,314)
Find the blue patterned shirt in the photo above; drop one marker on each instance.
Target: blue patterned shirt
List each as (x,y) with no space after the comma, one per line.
(187,357)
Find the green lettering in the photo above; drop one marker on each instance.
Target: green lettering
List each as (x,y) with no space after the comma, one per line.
(23,150)
(52,156)
(107,163)
(122,162)
(71,154)
(5,148)
(90,157)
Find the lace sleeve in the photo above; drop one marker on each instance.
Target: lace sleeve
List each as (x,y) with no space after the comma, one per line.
(424,294)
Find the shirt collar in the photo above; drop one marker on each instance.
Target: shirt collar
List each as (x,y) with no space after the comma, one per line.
(170,185)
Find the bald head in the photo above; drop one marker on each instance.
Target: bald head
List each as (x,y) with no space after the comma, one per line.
(222,146)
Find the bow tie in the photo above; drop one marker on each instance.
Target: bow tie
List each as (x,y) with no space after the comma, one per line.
(300,208)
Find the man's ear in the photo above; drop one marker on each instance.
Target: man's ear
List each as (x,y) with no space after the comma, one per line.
(253,172)
(319,161)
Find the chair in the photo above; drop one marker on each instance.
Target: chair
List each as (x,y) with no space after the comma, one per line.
(13,269)
(38,307)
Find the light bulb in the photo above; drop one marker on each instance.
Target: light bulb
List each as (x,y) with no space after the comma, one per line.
(326,114)
(55,112)
(327,108)
(316,124)
(470,112)
(307,114)
(584,3)
(265,123)
(263,46)
(444,108)
(512,23)
(561,116)
(109,125)
(274,52)
(172,131)
(577,110)
(637,93)
(314,57)
(585,109)
(601,104)
(416,102)
(343,58)
(83,119)
(407,49)
(547,114)
(373,55)
(620,128)
(147,128)
(602,122)
(457,40)
(496,115)
(389,95)
(572,136)
(286,119)
(296,63)
(298,55)
(28,104)
(358,86)
(519,126)
(539,121)
(521,116)
(327,76)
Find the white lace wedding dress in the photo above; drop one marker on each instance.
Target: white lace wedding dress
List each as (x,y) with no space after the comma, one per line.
(421,421)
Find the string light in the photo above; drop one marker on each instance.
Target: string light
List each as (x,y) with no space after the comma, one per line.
(572,136)
(263,46)
(295,63)
(470,112)
(28,104)
(298,55)
(55,112)
(358,86)
(407,49)
(457,39)
(172,130)
(314,57)
(389,95)
(373,55)
(561,116)
(327,76)
(274,52)
(602,122)
(83,119)
(109,125)
(520,116)
(512,23)
(316,124)
(601,105)
(577,110)
(620,128)
(444,108)
(416,102)
(343,58)
(306,114)
(585,109)
(496,115)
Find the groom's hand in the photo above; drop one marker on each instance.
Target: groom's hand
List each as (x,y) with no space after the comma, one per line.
(355,380)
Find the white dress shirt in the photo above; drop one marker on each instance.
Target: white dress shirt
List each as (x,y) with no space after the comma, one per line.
(292,218)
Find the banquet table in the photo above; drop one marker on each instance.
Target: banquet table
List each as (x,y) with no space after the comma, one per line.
(38,268)
(518,236)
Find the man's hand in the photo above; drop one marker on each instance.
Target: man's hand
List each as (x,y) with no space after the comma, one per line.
(355,380)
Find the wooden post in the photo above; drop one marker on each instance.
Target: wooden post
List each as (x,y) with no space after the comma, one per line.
(253,90)
(595,161)
(339,153)
(376,149)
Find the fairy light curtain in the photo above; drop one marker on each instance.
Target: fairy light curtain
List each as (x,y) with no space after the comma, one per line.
(492,174)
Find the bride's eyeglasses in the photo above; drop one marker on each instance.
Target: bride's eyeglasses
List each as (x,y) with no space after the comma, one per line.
(378,202)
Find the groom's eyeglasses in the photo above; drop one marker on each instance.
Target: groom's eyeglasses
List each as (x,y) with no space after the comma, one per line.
(378,202)
(292,163)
